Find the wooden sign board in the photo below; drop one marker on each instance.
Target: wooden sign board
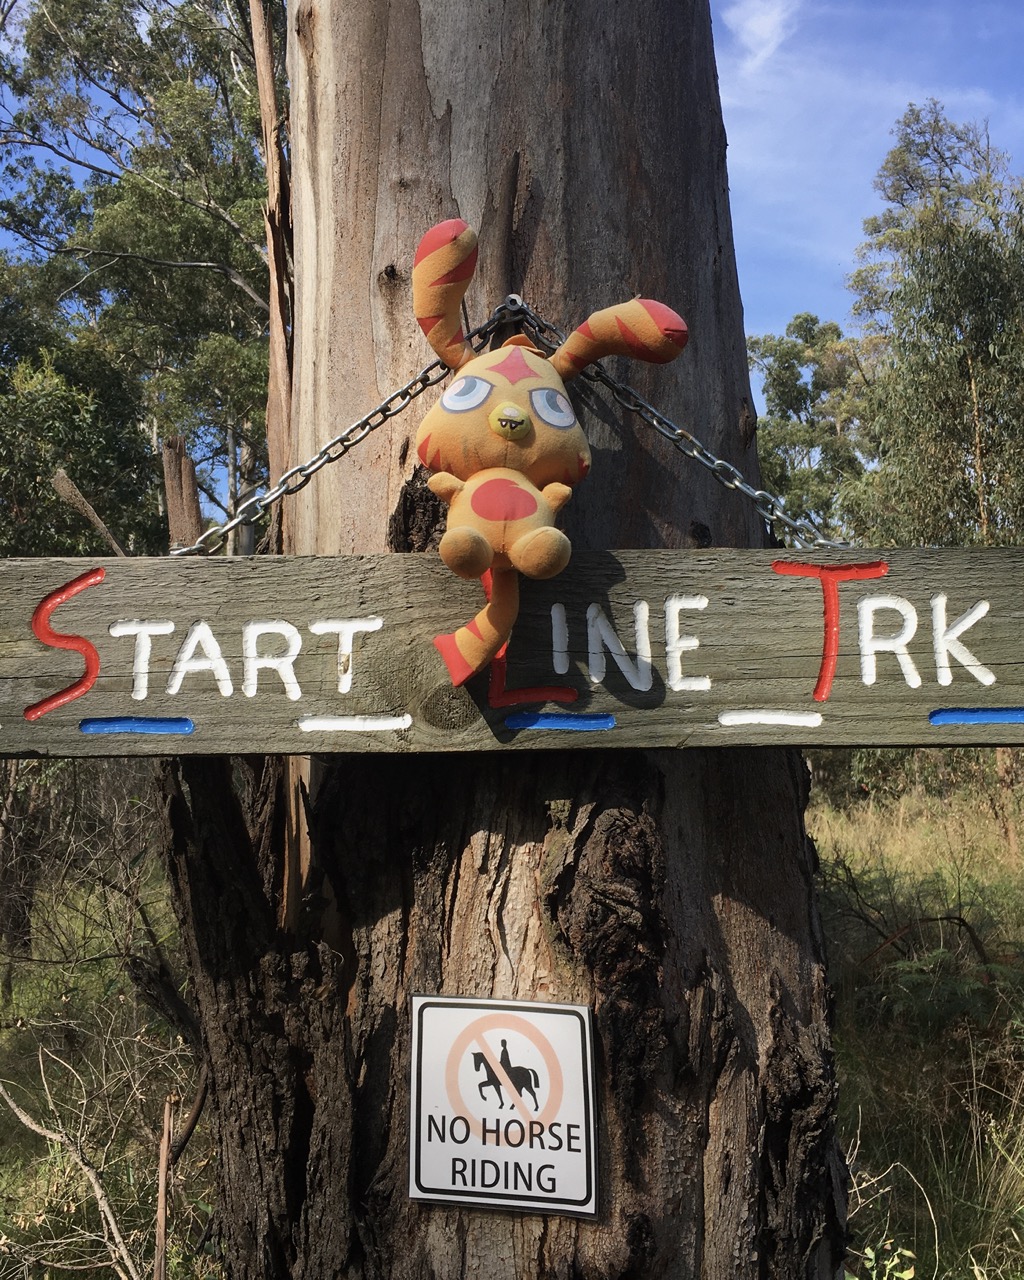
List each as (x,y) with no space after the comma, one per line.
(632,649)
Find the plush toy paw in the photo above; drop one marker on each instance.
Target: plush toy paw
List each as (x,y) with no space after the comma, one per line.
(466,552)
(542,553)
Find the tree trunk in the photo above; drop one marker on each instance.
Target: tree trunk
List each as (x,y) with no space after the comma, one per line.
(671,892)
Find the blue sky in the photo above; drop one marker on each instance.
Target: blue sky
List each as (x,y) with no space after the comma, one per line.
(810,91)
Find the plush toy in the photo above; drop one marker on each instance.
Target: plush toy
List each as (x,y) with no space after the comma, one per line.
(503,441)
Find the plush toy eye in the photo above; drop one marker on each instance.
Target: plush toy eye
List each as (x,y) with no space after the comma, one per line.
(553,408)
(467,393)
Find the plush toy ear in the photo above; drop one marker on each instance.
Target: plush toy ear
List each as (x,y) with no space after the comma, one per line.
(441,272)
(642,329)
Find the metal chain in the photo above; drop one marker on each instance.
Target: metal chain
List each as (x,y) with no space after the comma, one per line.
(299,476)
(769,506)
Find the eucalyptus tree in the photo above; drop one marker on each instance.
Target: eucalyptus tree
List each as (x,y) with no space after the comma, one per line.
(813,442)
(671,892)
(131,145)
(66,404)
(941,282)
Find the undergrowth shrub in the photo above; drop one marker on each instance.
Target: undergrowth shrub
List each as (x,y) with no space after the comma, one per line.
(92,1035)
(923,903)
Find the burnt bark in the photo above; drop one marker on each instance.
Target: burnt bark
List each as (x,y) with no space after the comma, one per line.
(671,892)
(716,1094)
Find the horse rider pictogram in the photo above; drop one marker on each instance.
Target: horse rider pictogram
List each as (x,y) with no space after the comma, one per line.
(523,1079)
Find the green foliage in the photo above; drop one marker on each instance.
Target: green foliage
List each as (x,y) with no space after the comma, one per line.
(886,1262)
(90,1045)
(130,147)
(813,380)
(913,433)
(942,283)
(924,915)
(66,401)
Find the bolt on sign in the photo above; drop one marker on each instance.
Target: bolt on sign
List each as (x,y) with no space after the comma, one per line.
(631,649)
(502,1105)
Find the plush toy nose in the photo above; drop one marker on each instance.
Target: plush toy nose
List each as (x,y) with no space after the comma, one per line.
(510,422)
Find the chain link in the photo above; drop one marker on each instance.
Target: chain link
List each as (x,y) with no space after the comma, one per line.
(769,506)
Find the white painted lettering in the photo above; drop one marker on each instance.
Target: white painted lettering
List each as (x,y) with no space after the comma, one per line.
(253,662)
(345,629)
(200,638)
(871,644)
(947,641)
(601,635)
(559,640)
(676,644)
(143,633)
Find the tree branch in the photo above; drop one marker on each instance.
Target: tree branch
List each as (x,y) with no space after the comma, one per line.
(181,1141)
(89,78)
(13,137)
(121,1259)
(229,273)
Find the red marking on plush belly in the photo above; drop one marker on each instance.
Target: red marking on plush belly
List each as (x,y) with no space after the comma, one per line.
(503,500)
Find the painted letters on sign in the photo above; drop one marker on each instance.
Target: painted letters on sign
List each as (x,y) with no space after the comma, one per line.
(630,648)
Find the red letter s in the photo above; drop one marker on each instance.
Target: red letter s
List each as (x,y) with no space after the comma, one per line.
(44,632)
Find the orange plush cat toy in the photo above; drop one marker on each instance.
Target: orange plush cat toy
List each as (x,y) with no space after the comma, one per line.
(503,440)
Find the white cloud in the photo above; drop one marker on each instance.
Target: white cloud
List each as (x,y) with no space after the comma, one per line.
(810,98)
(810,93)
(759,26)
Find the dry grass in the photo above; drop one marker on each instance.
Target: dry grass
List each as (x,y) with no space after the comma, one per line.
(923,897)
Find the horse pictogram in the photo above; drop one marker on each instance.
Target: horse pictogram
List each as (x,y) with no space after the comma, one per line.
(522,1078)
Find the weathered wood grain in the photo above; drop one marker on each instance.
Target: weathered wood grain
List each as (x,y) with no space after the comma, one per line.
(758,652)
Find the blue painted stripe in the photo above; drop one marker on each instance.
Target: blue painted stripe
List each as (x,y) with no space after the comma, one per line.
(138,724)
(577,722)
(977,715)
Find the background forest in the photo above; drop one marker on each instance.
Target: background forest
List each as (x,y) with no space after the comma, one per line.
(134,290)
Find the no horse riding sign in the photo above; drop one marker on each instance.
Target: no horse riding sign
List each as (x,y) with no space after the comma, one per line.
(502,1105)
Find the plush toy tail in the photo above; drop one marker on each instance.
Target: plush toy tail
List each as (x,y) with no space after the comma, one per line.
(441,272)
(642,329)
(472,647)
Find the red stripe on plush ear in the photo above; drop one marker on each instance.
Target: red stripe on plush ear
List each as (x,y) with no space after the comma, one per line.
(441,234)
(442,269)
(462,272)
(636,346)
(671,325)
(642,328)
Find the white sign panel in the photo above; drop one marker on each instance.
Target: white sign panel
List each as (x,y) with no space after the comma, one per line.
(503,1112)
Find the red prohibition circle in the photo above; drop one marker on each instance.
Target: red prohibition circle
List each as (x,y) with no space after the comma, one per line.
(473,1033)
